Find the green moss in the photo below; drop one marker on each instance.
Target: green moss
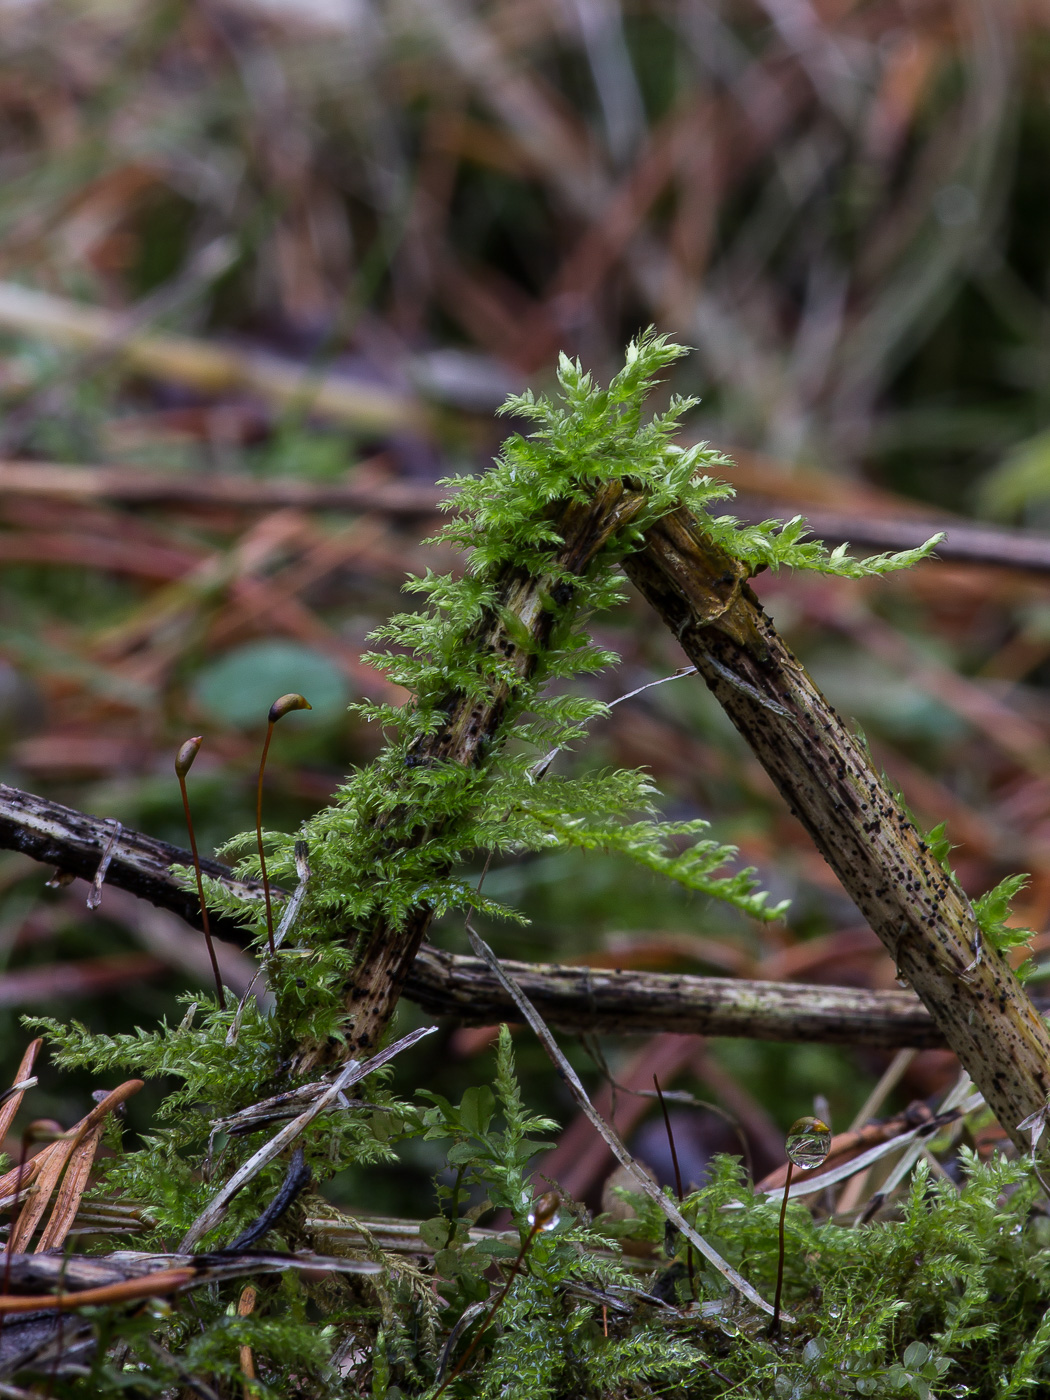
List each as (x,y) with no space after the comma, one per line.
(398,837)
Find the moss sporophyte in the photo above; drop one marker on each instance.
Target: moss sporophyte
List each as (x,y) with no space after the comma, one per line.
(492,658)
(282,706)
(183,762)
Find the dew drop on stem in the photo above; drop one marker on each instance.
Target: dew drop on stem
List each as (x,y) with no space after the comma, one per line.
(808,1142)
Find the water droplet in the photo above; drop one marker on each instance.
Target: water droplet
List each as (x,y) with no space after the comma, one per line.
(728,1327)
(903,983)
(960,1390)
(808,1142)
(834,1312)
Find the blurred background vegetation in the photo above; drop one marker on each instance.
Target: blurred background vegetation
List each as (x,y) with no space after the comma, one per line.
(267,270)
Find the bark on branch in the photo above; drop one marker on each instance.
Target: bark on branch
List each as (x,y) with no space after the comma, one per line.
(75,843)
(827,778)
(645,1003)
(571,998)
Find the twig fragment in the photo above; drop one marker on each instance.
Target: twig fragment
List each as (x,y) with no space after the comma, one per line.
(94,898)
(24,1079)
(354,1071)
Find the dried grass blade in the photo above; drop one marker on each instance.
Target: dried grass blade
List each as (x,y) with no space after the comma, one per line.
(916,1136)
(14,1103)
(890,1078)
(74,1184)
(958,1102)
(50,1171)
(20,1179)
(32,1212)
(642,1181)
(844,1170)
(354,1071)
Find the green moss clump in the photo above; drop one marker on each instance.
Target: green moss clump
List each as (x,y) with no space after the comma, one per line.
(951,1294)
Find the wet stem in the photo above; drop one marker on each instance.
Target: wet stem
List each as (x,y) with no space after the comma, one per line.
(774,1326)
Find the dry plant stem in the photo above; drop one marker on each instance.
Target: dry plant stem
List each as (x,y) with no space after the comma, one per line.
(132,486)
(827,778)
(153,1286)
(965,542)
(46,1274)
(628,1002)
(205,366)
(220,993)
(677,1181)
(570,998)
(774,1326)
(72,841)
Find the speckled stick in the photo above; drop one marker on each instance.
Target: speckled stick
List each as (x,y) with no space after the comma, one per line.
(825,774)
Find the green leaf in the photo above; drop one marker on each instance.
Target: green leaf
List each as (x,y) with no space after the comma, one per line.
(435,1232)
(476,1109)
(461,1153)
